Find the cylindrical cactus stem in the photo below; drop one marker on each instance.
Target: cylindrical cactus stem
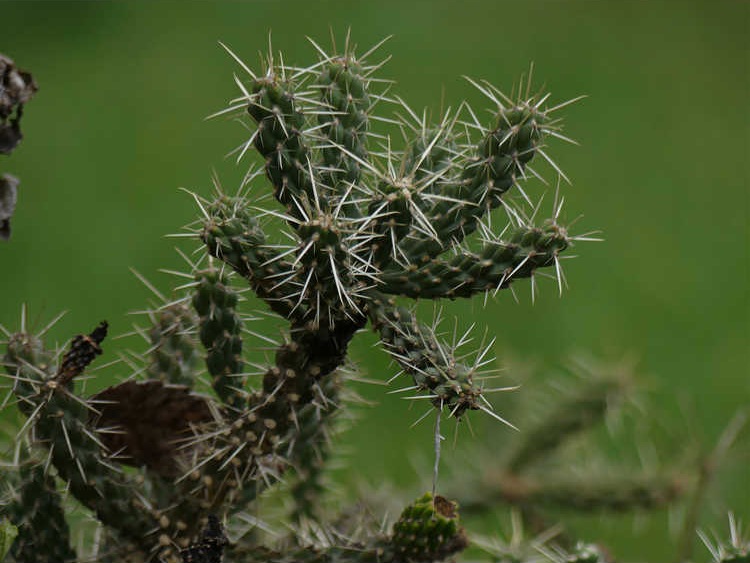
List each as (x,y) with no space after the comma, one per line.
(494,267)
(431,167)
(391,213)
(431,363)
(581,410)
(32,365)
(499,162)
(431,160)
(254,448)
(36,509)
(174,351)
(344,120)
(616,492)
(312,448)
(45,396)
(331,287)
(235,237)
(590,492)
(301,365)
(220,329)
(280,140)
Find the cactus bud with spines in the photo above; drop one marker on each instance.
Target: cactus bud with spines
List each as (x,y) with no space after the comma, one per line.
(371,225)
(428,530)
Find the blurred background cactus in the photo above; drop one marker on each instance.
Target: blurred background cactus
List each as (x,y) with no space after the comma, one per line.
(217,341)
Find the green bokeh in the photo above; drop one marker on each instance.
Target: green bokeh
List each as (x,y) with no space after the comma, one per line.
(117,127)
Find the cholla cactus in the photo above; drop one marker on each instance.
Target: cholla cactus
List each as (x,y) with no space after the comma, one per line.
(370,226)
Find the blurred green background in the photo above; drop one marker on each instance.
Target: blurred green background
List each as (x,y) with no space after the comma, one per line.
(118,126)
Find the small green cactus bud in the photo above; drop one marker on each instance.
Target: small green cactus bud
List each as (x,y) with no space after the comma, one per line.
(428,530)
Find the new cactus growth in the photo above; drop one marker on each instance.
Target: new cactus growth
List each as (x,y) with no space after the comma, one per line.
(371,226)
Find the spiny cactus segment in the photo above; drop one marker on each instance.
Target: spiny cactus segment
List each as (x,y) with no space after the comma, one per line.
(428,530)
(734,550)
(58,423)
(36,503)
(174,353)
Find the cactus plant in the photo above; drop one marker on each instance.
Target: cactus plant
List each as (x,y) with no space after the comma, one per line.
(371,227)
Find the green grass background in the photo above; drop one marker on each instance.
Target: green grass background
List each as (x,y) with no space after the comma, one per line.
(117,126)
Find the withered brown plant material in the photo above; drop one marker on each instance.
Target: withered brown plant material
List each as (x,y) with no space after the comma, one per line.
(149,423)
(16,88)
(8,196)
(210,548)
(83,350)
